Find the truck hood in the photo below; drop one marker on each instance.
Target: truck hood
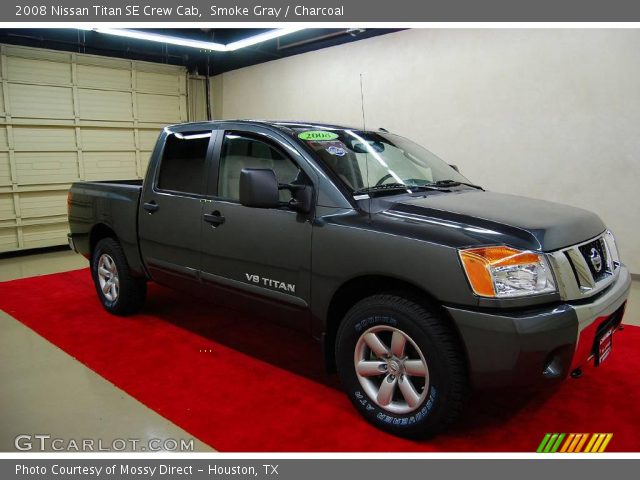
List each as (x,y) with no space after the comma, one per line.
(489,218)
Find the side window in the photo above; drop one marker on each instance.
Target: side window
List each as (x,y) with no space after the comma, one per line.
(243,151)
(183,165)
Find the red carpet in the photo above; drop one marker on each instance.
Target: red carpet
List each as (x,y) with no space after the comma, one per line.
(262,387)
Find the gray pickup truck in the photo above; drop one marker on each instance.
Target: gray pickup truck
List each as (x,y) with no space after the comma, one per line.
(418,283)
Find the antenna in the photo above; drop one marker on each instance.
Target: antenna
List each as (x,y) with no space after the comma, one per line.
(364,129)
(364,122)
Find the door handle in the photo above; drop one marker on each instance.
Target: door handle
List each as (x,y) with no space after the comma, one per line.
(215,218)
(151,206)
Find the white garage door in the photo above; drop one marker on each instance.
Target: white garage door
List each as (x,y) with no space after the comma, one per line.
(68,117)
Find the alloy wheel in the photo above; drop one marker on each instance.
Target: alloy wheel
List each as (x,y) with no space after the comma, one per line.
(391,369)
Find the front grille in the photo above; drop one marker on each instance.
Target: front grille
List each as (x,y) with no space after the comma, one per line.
(575,268)
(595,256)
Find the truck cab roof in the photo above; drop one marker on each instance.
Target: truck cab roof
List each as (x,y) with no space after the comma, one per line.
(287,125)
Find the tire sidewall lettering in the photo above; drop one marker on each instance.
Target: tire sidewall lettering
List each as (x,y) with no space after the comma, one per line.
(368,322)
(399,420)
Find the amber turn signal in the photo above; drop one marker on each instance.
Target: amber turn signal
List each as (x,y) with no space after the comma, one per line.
(479,263)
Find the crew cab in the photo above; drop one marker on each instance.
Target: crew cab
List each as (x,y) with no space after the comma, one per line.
(419,284)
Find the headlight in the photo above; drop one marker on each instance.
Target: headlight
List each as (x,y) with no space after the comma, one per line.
(612,248)
(507,272)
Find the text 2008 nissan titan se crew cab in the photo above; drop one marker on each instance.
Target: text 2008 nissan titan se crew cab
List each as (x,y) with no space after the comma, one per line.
(418,283)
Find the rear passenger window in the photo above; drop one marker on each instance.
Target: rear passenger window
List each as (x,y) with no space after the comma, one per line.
(183,165)
(240,151)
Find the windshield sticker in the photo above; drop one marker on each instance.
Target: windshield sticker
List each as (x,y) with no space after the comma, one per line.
(333,150)
(318,135)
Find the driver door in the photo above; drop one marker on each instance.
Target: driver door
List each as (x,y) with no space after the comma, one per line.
(258,258)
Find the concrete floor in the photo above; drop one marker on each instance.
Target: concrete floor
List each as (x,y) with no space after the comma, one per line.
(46,391)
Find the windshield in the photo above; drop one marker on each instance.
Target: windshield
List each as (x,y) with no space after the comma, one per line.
(363,160)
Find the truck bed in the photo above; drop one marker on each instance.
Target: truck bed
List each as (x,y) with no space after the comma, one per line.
(110,204)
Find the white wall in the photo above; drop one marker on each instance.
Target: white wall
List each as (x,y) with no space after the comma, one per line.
(545,113)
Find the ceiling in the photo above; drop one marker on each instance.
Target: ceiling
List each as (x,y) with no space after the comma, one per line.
(196,61)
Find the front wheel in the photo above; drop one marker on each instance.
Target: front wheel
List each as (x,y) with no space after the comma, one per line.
(401,365)
(119,292)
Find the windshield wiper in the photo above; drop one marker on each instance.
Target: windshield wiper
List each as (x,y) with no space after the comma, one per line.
(387,187)
(455,183)
(383,187)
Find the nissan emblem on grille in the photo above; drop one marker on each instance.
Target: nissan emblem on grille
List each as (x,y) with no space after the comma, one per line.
(596,260)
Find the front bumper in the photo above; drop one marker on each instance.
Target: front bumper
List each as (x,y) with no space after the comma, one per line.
(526,347)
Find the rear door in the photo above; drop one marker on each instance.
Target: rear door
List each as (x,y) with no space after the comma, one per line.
(257,257)
(170,215)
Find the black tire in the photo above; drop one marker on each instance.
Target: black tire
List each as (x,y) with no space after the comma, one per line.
(131,291)
(443,398)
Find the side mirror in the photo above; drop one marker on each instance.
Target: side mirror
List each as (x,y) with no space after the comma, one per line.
(455,167)
(302,197)
(259,188)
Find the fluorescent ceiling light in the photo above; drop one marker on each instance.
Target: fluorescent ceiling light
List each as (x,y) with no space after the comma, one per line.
(185,42)
(261,37)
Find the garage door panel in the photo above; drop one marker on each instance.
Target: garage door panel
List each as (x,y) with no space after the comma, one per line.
(5,169)
(148,139)
(103,77)
(47,235)
(43,204)
(7,207)
(37,53)
(105,105)
(110,165)
(4,140)
(158,108)
(144,162)
(159,82)
(8,239)
(71,116)
(37,101)
(38,168)
(44,138)
(21,69)
(97,139)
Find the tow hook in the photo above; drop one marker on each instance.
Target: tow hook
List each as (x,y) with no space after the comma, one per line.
(577,373)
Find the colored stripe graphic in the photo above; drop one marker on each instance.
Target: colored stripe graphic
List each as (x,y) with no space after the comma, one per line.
(583,440)
(606,442)
(553,442)
(543,443)
(592,440)
(556,445)
(550,443)
(571,439)
(596,446)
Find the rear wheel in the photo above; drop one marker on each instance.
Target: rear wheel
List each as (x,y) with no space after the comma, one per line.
(401,366)
(119,292)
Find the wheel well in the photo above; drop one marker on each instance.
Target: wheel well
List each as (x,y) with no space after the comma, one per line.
(359,288)
(98,232)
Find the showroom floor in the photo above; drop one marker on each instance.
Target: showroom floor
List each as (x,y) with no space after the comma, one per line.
(46,391)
